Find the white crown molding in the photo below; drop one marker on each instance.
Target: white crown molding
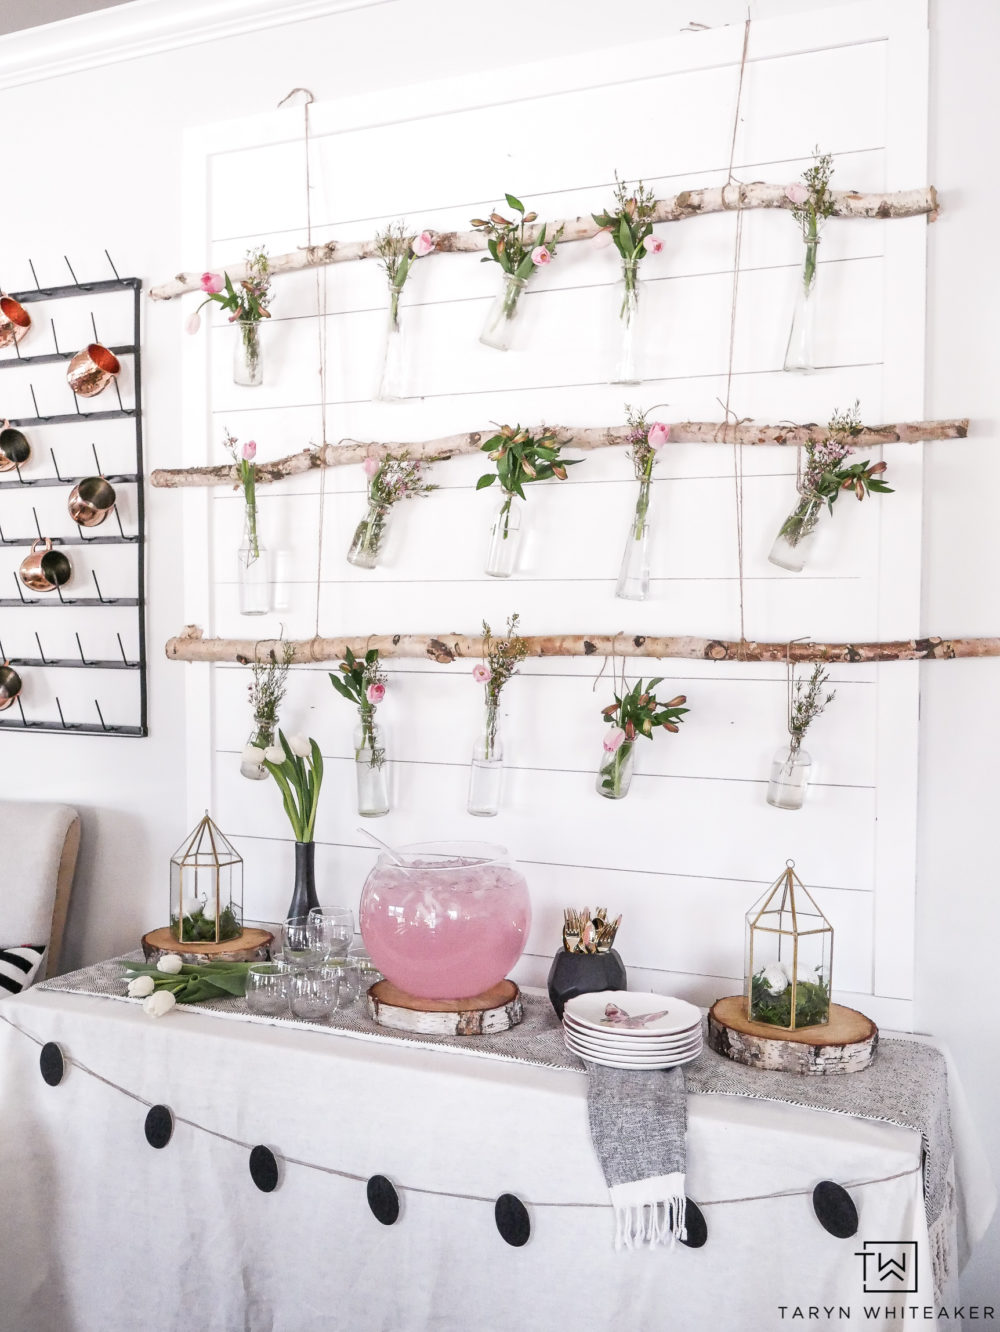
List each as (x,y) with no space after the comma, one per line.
(146,27)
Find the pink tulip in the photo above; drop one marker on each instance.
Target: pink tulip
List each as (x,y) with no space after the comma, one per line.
(603,239)
(797,193)
(613,739)
(652,244)
(375,693)
(423,244)
(541,255)
(193,323)
(212,283)
(250,450)
(482,674)
(658,436)
(370,466)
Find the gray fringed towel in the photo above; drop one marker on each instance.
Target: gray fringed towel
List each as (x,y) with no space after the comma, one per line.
(638,1122)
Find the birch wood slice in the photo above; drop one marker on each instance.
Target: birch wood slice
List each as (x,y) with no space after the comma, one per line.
(250,946)
(845,1044)
(497,1009)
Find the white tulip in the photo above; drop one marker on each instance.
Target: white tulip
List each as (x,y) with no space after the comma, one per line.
(171,963)
(159,1003)
(299,744)
(251,754)
(140,987)
(274,754)
(774,977)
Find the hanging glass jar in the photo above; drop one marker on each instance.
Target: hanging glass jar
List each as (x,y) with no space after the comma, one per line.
(626,371)
(486,773)
(800,354)
(248,363)
(502,321)
(260,739)
(369,536)
(790,769)
(253,568)
(392,386)
(369,767)
(505,536)
(633,577)
(614,776)
(797,534)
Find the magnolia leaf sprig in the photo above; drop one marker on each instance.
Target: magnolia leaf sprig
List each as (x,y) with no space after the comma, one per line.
(808,702)
(516,254)
(363,684)
(299,776)
(521,457)
(247,302)
(630,226)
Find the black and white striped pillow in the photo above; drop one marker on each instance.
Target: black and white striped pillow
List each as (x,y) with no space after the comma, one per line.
(18,967)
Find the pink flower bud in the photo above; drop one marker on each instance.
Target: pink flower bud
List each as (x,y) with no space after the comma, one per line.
(613,739)
(370,466)
(423,244)
(193,323)
(375,693)
(212,283)
(541,255)
(603,239)
(652,244)
(250,450)
(658,435)
(797,193)
(482,674)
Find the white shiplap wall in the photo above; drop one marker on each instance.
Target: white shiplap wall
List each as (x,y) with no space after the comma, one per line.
(694,843)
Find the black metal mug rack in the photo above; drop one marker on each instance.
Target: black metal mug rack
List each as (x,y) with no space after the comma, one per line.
(17,717)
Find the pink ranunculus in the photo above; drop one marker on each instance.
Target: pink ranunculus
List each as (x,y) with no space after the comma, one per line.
(375,693)
(540,255)
(212,283)
(652,244)
(482,674)
(192,323)
(613,739)
(423,244)
(658,435)
(603,239)
(250,450)
(370,467)
(797,193)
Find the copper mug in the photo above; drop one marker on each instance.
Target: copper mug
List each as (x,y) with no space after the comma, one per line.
(14,321)
(46,569)
(10,686)
(14,448)
(92,370)
(91,501)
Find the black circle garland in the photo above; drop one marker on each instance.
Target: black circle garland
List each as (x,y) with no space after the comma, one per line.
(52,1064)
(159,1126)
(383,1200)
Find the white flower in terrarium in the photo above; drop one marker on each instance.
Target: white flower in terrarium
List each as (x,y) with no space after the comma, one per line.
(775,978)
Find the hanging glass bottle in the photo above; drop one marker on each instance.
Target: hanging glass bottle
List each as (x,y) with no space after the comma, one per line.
(259,739)
(626,371)
(633,578)
(369,767)
(392,386)
(253,568)
(505,536)
(790,769)
(502,321)
(800,354)
(797,534)
(369,536)
(248,362)
(614,775)
(486,773)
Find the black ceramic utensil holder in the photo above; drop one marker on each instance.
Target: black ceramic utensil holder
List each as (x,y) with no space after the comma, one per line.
(584,973)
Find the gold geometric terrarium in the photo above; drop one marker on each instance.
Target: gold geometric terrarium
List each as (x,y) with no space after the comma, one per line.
(206,887)
(789,956)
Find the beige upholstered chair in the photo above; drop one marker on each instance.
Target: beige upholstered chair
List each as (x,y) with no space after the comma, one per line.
(38,850)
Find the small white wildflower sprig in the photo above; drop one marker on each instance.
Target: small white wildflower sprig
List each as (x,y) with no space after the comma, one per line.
(807,702)
(397,249)
(363,684)
(265,692)
(501,658)
(812,204)
(171,981)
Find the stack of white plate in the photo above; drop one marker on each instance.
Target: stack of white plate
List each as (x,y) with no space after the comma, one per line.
(630,1029)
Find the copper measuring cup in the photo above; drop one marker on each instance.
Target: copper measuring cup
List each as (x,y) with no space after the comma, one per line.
(91,501)
(92,370)
(46,569)
(10,686)
(14,448)
(14,321)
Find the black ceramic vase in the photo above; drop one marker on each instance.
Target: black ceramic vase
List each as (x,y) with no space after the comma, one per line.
(304,895)
(584,973)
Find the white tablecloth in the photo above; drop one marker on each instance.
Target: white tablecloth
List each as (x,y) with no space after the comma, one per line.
(100,1232)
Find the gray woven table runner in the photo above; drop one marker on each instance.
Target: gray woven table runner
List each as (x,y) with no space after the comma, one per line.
(906,1085)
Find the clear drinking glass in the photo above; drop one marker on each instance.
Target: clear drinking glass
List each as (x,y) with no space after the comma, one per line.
(332,929)
(790,771)
(300,948)
(267,988)
(501,321)
(313,994)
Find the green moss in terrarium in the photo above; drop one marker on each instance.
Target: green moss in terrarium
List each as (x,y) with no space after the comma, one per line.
(199,926)
(771,1001)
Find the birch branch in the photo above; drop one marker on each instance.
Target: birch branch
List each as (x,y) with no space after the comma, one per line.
(689,203)
(446,648)
(591,437)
